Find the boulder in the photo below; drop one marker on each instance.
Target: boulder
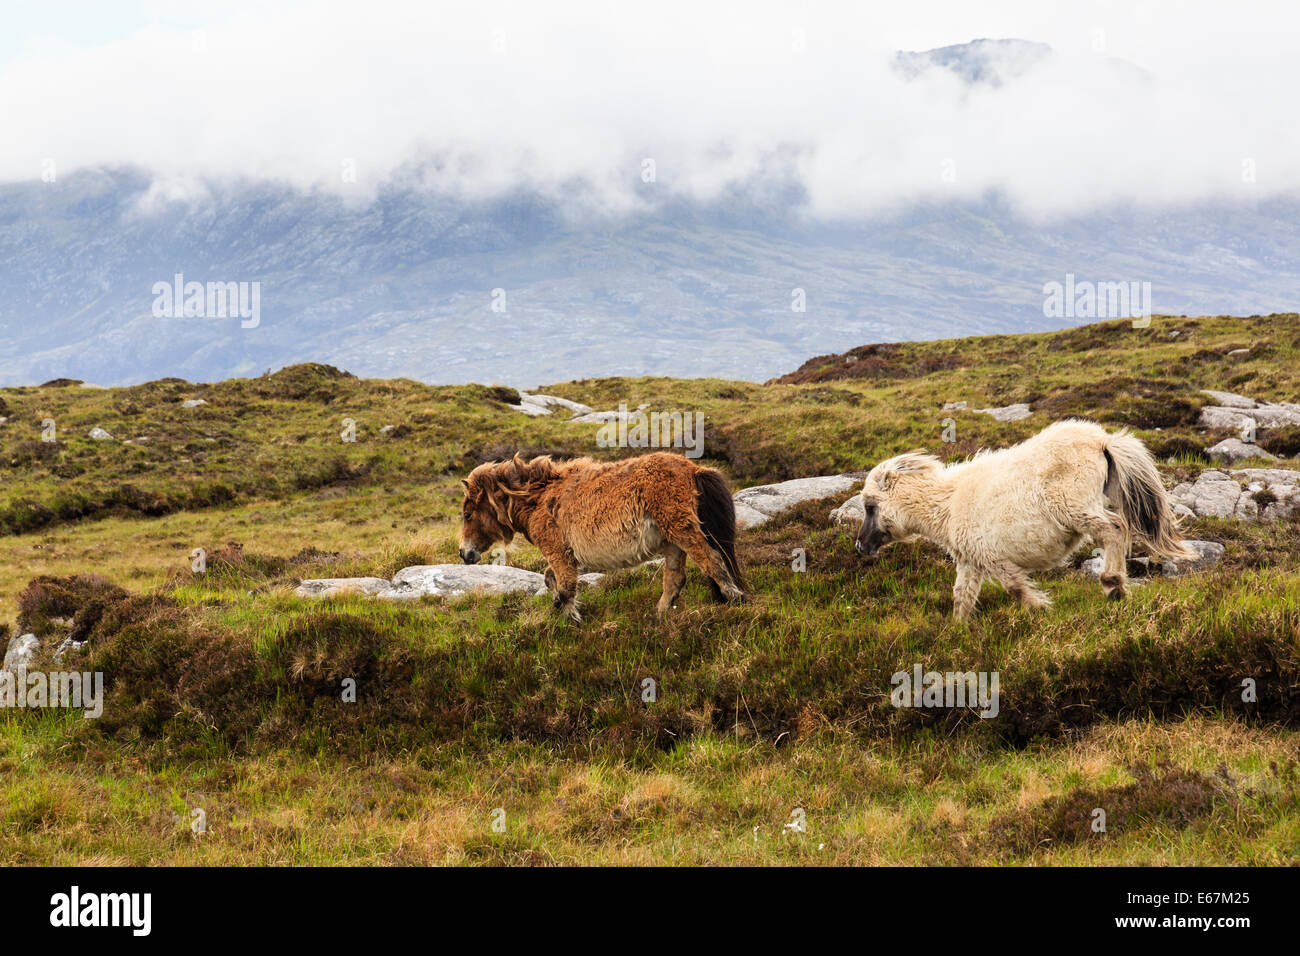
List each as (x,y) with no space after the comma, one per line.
(450,580)
(1263,415)
(193,403)
(438,580)
(758,505)
(531,409)
(850,513)
(1250,494)
(329,587)
(1232,450)
(1008,413)
(954,406)
(1208,554)
(99,434)
(603,418)
(535,404)
(1229,399)
(20,652)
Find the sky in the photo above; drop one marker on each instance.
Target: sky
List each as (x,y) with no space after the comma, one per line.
(572,99)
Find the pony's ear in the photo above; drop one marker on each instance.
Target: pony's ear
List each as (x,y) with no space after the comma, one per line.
(465,482)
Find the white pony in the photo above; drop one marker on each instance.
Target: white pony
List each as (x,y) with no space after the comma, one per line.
(1026,508)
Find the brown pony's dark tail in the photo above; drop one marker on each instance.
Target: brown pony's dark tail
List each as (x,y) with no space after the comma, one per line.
(717,514)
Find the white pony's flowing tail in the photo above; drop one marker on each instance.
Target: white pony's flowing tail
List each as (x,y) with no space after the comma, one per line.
(1135,490)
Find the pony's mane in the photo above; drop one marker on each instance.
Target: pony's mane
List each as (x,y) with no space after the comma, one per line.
(519,477)
(914,462)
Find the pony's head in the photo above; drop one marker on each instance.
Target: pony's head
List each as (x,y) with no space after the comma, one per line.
(884,519)
(490,514)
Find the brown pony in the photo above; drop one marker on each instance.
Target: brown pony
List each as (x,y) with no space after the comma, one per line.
(593,516)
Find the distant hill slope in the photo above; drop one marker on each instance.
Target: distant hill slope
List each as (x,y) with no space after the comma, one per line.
(404,287)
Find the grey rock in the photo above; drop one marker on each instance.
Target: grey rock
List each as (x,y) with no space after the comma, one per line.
(1239,352)
(850,513)
(531,409)
(99,434)
(450,580)
(764,502)
(437,580)
(1229,399)
(21,650)
(954,406)
(1208,554)
(549,402)
(1263,416)
(602,418)
(1234,449)
(1232,494)
(193,403)
(1008,413)
(329,587)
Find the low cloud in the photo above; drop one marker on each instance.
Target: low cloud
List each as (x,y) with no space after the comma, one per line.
(1164,104)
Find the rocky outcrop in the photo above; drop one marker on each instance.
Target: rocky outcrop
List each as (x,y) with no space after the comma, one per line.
(534,405)
(100,434)
(20,652)
(1008,413)
(758,505)
(1208,554)
(437,580)
(1229,399)
(604,418)
(1233,411)
(1248,494)
(1232,450)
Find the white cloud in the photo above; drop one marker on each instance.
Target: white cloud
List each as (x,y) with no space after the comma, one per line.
(569,98)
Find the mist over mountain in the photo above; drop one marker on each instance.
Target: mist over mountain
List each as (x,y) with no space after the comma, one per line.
(687,272)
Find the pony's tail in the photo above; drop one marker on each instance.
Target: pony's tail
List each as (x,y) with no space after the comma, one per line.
(1134,488)
(717,514)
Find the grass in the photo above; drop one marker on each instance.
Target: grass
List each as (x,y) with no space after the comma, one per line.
(225,690)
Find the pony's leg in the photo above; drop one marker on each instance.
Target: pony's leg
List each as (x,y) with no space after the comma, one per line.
(562,574)
(674,576)
(566,589)
(966,592)
(1108,529)
(692,541)
(1019,586)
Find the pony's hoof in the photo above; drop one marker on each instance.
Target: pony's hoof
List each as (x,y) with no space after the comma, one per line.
(1116,595)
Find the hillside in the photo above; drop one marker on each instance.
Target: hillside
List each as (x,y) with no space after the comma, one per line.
(404,285)
(222,688)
